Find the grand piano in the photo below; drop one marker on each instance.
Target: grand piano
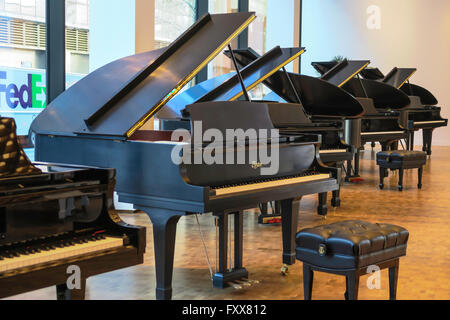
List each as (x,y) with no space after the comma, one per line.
(423,113)
(53,217)
(99,120)
(322,101)
(382,104)
(288,118)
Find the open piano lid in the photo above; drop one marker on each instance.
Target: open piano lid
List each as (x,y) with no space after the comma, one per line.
(344,71)
(372,74)
(227,87)
(318,97)
(117,99)
(399,76)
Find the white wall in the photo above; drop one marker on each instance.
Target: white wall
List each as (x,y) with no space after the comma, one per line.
(413,33)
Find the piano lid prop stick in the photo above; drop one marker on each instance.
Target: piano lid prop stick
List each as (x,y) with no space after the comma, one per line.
(241,80)
(291,84)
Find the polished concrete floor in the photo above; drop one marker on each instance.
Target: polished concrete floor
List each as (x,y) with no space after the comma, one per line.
(424,272)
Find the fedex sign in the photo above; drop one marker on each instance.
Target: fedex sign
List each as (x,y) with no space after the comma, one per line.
(30,94)
(25,90)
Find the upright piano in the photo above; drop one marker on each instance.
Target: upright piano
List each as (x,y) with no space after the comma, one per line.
(423,113)
(57,217)
(99,121)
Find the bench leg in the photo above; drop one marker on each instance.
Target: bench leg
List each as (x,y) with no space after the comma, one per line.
(352,281)
(393,280)
(420,177)
(308,279)
(400,179)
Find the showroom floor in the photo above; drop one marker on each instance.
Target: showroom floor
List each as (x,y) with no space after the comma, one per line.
(424,272)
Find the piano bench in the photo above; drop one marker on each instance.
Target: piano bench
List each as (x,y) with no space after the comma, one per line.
(351,249)
(400,160)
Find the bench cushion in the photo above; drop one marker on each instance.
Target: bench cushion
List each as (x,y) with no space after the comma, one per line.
(351,244)
(402,156)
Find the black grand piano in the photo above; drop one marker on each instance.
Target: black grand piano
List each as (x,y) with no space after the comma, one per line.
(53,217)
(98,122)
(423,113)
(288,118)
(322,103)
(382,104)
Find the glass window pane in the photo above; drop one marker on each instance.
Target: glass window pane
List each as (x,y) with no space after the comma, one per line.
(172,18)
(221,64)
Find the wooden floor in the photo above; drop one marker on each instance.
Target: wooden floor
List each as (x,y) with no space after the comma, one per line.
(424,272)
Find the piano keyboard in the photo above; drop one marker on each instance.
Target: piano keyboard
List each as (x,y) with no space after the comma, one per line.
(31,256)
(270,184)
(429,122)
(381,133)
(333,151)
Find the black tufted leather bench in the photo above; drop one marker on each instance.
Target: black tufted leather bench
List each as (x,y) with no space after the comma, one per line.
(350,248)
(400,160)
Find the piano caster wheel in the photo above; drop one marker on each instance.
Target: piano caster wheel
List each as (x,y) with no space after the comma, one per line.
(419,186)
(381,186)
(400,188)
(284,270)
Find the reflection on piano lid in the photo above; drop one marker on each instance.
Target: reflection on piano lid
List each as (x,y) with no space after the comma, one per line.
(13,160)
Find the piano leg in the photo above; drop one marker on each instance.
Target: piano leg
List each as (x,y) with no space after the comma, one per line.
(336,200)
(419,185)
(64,293)
(164,234)
(400,179)
(357,155)
(224,276)
(322,209)
(289,222)
(427,140)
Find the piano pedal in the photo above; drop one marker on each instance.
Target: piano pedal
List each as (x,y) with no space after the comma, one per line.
(284,270)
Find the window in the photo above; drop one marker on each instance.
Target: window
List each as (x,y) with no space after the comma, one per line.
(172,18)
(257,38)
(257,29)
(221,64)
